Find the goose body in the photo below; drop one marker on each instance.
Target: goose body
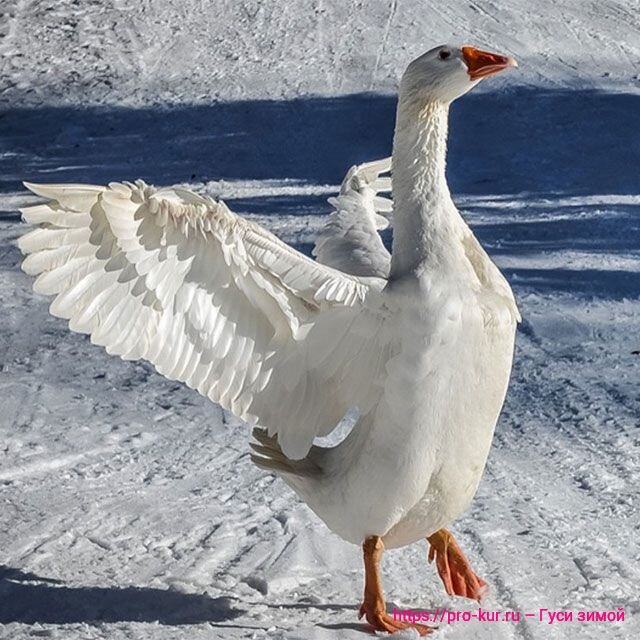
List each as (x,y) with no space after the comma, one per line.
(420,342)
(413,462)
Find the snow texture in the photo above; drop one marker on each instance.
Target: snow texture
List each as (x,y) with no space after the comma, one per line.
(129,507)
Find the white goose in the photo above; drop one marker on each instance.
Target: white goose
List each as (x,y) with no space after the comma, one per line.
(421,342)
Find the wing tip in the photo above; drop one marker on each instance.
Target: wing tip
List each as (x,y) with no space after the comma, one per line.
(31,186)
(53,191)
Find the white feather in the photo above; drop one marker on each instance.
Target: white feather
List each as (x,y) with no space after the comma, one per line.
(350,240)
(180,280)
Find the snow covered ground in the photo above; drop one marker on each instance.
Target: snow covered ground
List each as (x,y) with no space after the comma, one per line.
(129,507)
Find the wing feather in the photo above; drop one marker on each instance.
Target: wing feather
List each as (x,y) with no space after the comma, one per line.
(350,240)
(208,298)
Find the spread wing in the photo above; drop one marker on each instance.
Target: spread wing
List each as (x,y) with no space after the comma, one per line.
(210,299)
(350,240)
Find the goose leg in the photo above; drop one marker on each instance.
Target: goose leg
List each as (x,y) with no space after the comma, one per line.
(454,568)
(373,607)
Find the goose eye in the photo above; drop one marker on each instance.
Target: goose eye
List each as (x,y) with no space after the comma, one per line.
(445,54)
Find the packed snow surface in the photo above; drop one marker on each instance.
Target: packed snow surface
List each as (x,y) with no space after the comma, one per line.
(129,507)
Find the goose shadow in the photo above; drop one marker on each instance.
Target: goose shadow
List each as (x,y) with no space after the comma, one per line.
(29,599)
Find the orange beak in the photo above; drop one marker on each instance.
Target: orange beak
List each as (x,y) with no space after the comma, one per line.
(482,63)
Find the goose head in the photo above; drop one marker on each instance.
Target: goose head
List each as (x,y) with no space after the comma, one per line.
(448,72)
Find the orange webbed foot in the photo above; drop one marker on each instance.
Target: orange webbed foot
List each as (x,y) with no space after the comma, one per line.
(373,607)
(380,620)
(453,567)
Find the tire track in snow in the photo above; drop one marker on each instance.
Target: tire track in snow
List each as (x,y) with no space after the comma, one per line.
(60,462)
(503,592)
(383,44)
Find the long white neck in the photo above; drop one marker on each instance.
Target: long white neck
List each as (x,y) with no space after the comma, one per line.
(426,222)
